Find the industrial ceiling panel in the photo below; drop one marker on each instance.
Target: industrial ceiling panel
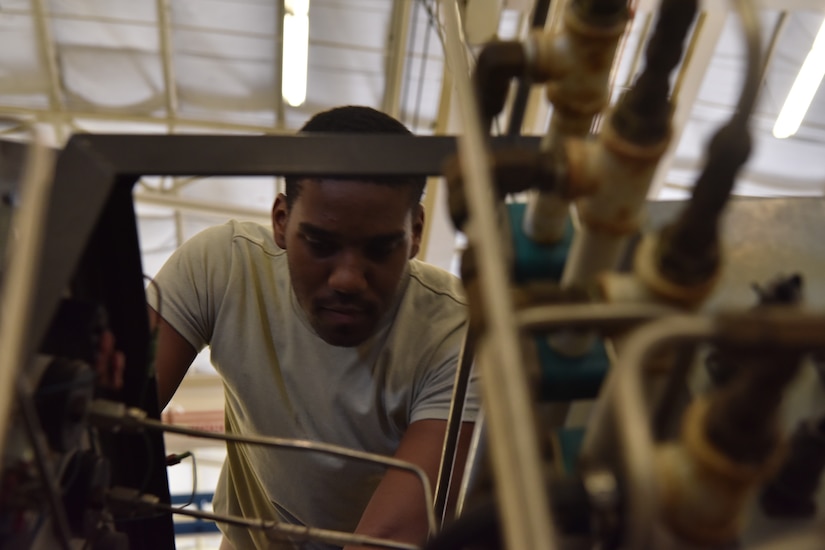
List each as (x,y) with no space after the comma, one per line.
(23,82)
(136,11)
(227,16)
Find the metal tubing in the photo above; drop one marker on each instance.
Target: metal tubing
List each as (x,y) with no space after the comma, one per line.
(325,448)
(274,530)
(583,53)
(609,317)
(624,399)
(471,469)
(19,291)
(621,173)
(524,506)
(454,421)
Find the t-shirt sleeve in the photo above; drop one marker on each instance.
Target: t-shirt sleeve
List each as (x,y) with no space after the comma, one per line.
(435,392)
(189,287)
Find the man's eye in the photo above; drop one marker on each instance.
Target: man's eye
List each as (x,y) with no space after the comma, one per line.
(320,248)
(381,251)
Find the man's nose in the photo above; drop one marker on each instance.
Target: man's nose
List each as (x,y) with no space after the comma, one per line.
(348,274)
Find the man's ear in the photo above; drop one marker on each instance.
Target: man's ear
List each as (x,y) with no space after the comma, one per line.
(417,229)
(280,215)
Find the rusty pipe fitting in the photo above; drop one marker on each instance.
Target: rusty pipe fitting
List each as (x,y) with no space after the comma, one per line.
(703,491)
(613,175)
(514,171)
(576,62)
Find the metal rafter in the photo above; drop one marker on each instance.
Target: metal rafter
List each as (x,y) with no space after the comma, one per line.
(48,57)
(396,56)
(45,115)
(165,38)
(200,206)
(278,79)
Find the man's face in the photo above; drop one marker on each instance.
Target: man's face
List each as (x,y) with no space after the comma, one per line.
(347,243)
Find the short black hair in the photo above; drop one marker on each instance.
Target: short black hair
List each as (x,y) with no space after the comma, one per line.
(362,120)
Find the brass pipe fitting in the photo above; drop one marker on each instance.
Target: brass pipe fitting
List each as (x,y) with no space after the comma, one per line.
(703,491)
(576,64)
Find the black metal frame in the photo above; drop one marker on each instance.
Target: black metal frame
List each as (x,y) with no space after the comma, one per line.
(92,249)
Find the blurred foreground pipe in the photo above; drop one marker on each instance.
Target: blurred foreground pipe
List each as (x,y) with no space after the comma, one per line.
(577,63)
(622,409)
(524,507)
(683,261)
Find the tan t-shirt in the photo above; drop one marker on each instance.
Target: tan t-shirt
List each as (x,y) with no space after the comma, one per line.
(228,287)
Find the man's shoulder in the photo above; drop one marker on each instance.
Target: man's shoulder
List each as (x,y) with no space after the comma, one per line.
(441,285)
(240,233)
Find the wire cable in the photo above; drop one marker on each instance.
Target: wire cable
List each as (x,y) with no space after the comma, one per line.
(35,433)
(175,459)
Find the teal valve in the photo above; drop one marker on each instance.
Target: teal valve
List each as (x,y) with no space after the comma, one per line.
(570,378)
(536,261)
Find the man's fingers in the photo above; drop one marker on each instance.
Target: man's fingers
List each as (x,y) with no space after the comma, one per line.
(117,369)
(110,364)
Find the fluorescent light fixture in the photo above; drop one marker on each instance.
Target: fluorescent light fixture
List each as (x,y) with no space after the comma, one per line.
(803,90)
(295,46)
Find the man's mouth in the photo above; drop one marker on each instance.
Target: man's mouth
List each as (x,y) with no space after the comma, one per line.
(343,314)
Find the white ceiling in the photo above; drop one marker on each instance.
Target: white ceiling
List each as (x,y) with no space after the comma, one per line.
(213,66)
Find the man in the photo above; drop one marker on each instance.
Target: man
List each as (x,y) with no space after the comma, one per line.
(327,329)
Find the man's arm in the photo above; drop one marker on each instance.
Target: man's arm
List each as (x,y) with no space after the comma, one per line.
(396,510)
(173,356)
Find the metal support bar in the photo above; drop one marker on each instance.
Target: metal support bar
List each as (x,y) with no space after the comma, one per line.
(396,60)
(523,503)
(280,11)
(19,292)
(48,57)
(345,155)
(454,422)
(165,35)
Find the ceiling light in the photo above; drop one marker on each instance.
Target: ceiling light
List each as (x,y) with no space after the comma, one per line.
(803,90)
(295,46)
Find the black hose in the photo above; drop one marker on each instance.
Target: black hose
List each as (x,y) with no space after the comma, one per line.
(519,106)
(688,249)
(643,113)
(792,492)
(600,12)
(497,64)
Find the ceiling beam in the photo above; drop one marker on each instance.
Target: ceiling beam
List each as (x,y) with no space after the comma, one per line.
(169,80)
(48,58)
(396,56)
(716,5)
(278,77)
(178,203)
(68,116)
(791,5)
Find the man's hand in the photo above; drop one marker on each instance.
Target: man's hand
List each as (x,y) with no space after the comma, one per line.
(396,510)
(109,363)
